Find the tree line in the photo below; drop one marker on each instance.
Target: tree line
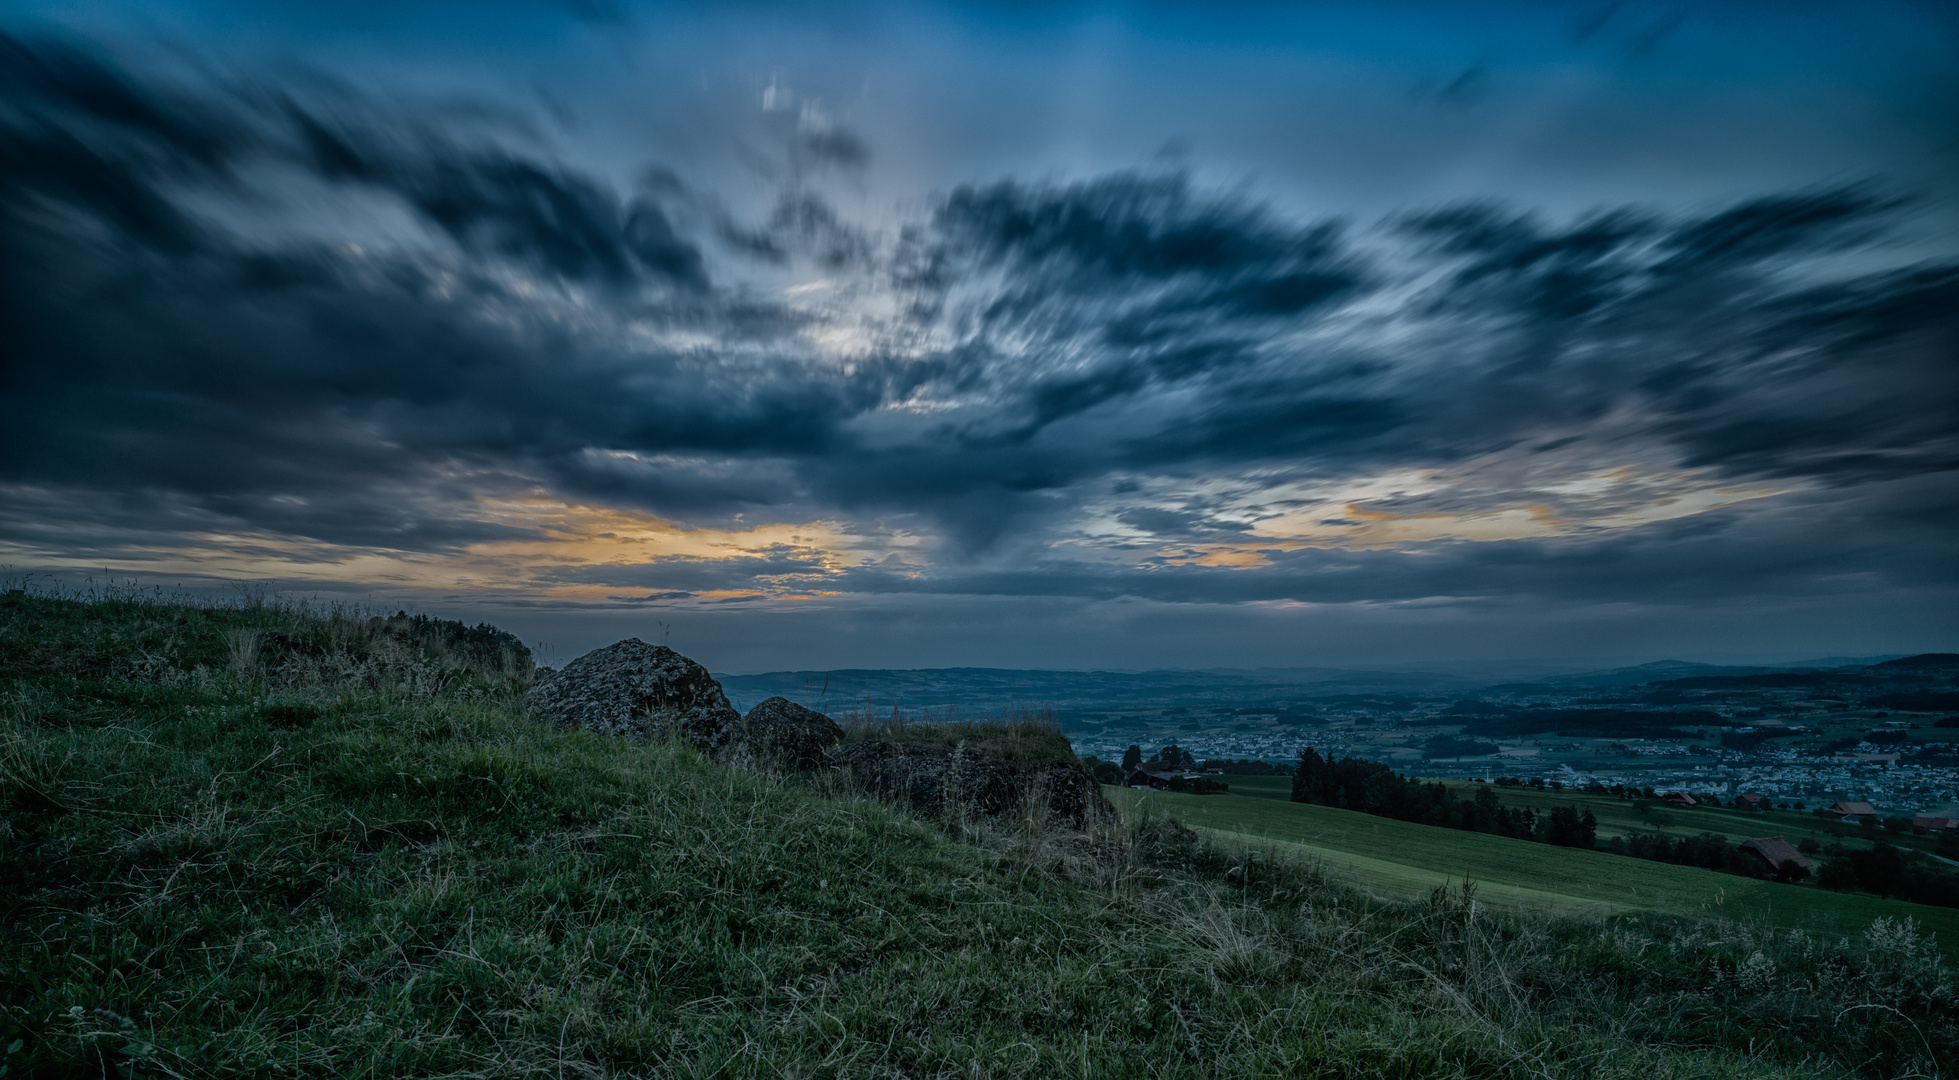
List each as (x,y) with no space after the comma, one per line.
(1373,788)
(1368,786)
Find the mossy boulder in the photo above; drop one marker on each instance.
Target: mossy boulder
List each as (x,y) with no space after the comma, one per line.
(635,689)
(935,782)
(782,733)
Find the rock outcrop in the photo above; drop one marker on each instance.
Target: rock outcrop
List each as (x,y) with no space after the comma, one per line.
(635,689)
(937,783)
(784,734)
(632,688)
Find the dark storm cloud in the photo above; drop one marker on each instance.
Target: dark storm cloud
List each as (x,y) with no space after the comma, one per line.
(1856,382)
(551,334)
(1176,522)
(1891,531)
(1124,229)
(695,574)
(1140,261)
(801,224)
(1707,325)
(836,146)
(1093,296)
(1779,226)
(60,99)
(1513,262)
(499,203)
(238,373)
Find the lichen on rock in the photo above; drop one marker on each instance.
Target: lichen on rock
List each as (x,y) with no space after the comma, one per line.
(632,688)
(781,733)
(939,784)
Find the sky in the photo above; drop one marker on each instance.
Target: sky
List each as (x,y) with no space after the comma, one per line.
(821,336)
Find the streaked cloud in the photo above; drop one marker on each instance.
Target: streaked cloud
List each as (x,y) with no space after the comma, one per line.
(293,330)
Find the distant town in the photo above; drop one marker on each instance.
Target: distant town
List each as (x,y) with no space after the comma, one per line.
(1884,732)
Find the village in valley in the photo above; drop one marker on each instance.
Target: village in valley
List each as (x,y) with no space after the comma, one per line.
(1882,736)
(1827,751)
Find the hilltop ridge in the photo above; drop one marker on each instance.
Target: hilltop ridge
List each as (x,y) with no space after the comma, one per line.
(261,840)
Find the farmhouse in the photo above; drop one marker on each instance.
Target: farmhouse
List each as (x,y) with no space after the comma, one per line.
(1853,812)
(1751,802)
(1773,852)
(1157,775)
(1140,777)
(1681,799)
(1936,824)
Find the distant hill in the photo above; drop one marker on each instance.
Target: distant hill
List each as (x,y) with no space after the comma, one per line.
(1933,661)
(976,691)
(1770,680)
(1657,671)
(985,690)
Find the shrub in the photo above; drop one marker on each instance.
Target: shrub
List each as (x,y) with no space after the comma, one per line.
(1105,772)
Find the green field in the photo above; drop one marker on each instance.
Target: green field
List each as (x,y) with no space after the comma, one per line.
(1400,859)
(1619,817)
(1261,787)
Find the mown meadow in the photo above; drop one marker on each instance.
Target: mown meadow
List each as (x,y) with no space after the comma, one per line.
(260,840)
(1403,858)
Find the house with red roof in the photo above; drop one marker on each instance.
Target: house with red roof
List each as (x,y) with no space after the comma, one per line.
(1854,812)
(1778,857)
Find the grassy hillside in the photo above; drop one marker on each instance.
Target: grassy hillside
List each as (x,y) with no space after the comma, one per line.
(259,842)
(1261,787)
(1402,858)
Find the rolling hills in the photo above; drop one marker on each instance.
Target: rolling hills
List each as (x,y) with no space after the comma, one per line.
(263,841)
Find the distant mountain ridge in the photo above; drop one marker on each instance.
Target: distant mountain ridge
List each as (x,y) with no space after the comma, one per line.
(983,690)
(988,689)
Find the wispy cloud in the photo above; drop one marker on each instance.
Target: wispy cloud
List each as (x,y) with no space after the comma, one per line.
(545,389)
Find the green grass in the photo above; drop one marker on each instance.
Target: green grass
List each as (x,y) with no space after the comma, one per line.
(1261,787)
(1404,859)
(1621,817)
(256,842)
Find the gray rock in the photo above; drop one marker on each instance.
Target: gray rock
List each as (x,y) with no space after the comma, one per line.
(935,783)
(632,688)
(783,733)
